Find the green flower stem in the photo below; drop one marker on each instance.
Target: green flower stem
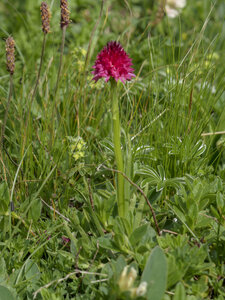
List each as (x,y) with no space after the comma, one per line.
(117,149)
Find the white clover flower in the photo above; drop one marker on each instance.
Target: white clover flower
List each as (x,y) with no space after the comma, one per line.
(173,7)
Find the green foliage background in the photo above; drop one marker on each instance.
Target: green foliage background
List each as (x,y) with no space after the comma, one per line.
(64,236)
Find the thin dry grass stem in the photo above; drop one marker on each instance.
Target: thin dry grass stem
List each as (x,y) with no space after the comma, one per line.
(169,231)
(100,280)
(55,211)
(212,133)
(141,191)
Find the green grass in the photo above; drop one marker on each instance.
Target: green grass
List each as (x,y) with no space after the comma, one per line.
(64,239)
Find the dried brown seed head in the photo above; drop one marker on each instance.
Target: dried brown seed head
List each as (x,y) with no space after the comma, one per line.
(45,16)
(65,13)
(10,55)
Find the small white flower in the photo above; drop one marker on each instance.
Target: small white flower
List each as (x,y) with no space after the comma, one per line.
(173,7)
(141,290)
(176,3)
(127,279)
(131,277)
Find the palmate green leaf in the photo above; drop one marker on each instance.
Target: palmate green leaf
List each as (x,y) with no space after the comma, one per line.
(155,274)
(158,178)
(5,293)
(185,149)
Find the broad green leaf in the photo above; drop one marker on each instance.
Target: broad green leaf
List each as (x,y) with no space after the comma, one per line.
(5,293)
(32,272)
(141,233)
(35,210)
(179,292)
(107,243)
(155,274)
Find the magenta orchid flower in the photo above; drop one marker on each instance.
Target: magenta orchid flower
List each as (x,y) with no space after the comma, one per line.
(113,62)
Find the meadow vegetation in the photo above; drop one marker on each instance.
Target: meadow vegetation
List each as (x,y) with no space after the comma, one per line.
(61,234)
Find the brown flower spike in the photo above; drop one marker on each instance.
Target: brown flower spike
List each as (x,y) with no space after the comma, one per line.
(45,16)
(65,14)
(10,55)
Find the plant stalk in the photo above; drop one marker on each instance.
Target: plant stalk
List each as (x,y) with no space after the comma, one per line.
(34,91)
(54,107)
(61,59)
(117,149)
(6,112)
(39,70)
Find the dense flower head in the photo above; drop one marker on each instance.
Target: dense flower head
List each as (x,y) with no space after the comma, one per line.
(65,13)
(113,62)
(10,55)
(45,16)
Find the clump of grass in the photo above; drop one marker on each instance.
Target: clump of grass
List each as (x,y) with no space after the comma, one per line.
(45,16)
(10,63)
(65,20)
